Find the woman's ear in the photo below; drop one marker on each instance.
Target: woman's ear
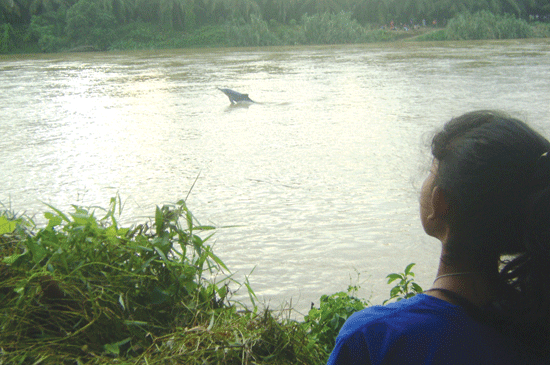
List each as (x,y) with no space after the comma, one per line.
(440,204)
(437,223)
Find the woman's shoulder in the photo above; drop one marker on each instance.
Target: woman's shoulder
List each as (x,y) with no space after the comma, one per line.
(403,315)
(420,328)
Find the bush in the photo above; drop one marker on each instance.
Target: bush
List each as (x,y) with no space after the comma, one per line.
(541,30)
(254,33)
(329,28)
(289,34)
(324,323)
(381,35)
(138,35)
(212,35)
(436,35)
(485,25)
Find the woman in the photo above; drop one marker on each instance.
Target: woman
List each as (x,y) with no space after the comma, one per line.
(487,199)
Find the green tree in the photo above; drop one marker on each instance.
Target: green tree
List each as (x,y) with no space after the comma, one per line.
(8,7)
(321,6)
(6,38)
(49,30)
(37,7)
(280,10)
(242,9)
(414,9)
(177,14)
(90,25)
(122,10)
(211,11)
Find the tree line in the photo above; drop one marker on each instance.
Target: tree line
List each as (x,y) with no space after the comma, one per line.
(51,21)
(188,14)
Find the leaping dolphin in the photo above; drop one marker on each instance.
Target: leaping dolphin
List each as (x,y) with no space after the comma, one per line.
(235,97)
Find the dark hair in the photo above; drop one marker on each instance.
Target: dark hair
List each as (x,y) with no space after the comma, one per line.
(495,171)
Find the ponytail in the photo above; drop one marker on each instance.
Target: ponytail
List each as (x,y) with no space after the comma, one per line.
(523,306)
(496,172)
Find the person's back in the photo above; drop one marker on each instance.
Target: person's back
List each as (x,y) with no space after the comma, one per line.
(486,198)
(423,330)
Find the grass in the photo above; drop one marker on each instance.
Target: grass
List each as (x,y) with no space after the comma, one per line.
(485,25)
(83,290)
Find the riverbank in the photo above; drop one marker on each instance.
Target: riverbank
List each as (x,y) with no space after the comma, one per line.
(85,290)
(54,34)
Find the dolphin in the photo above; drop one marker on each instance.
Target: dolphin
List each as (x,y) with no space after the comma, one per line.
(235,97)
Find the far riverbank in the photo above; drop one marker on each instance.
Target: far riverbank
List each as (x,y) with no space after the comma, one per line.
(317,29)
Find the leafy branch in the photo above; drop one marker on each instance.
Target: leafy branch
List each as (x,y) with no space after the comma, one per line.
(405,286)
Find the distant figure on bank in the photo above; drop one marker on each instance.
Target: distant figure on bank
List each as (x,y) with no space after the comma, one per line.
(235,97)
(487,199)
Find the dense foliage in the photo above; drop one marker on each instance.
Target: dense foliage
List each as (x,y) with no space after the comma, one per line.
(324,323)
(54,25)
(83,290)
(485,25)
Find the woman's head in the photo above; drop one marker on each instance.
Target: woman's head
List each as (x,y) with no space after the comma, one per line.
(490,167)
(493,172)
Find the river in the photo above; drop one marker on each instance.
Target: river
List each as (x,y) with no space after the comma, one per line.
(316,182)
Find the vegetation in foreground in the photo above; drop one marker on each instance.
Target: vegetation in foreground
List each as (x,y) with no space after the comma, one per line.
(83,290)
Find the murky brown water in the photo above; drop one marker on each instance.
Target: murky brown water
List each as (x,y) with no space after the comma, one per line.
(320,177)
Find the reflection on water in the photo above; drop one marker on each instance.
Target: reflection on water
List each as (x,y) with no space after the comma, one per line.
(316,180)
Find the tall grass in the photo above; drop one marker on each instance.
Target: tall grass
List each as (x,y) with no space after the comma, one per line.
(485,25)
(542,30)
(326,28)
(254,33)
(84,290)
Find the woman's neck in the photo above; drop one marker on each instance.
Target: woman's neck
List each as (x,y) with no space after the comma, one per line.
(468,281)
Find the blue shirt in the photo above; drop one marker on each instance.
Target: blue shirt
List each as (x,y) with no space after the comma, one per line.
(421,330)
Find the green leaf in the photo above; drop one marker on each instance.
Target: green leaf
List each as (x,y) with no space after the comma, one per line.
(10,260)
(217,260)
(121,301)
(334,321)
(37,250)
(251,294)
(53,220)
(159,221)
(395,291)
(205,228)
(222,291)
(135,323)
(59,213)
(20,286)
(408,268)
(114,348)
(6,226)
(161,254)
(159,296)
(393,277)
(417,288)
